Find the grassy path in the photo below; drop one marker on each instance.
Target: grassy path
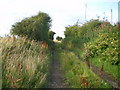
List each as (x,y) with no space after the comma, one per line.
(56,79)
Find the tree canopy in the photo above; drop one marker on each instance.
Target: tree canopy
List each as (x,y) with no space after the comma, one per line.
(59,38)
(34,28)
(51,35)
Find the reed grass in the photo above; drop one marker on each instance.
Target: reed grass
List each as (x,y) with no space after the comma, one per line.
(24,63)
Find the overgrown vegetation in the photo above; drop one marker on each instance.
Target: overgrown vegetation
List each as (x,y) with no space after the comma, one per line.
(77,73)
(25,59)
(24,63)
(105,45)
(96,41)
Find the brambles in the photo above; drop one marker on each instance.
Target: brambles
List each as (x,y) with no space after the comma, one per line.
(106,46)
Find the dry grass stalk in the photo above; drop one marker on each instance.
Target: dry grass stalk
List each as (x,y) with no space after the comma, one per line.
(101,71)
(12,81)
(84,82)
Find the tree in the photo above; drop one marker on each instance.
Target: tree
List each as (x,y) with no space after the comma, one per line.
(51,35)
(35,27)
(58,38)
(71,31)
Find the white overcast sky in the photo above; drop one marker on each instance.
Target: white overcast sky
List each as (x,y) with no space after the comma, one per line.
(62,12)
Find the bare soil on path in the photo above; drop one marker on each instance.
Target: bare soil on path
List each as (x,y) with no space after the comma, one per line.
(56,78)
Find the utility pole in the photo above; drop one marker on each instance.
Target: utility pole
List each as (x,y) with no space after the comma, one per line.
(119,11)
(86,12)
(111,16)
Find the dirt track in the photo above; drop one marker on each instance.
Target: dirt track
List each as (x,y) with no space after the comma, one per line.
(56,77)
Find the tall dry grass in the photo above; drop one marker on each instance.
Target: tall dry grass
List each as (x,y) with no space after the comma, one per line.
(24,63)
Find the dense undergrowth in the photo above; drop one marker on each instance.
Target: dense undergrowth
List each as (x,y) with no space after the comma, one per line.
(77,73)
(96,41)
(105,50)
(25,63)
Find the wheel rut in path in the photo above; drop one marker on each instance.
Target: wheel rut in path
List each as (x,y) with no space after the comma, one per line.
(105,76)
(56,77)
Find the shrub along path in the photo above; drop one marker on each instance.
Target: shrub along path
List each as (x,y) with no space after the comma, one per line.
(105,76)
(56,77)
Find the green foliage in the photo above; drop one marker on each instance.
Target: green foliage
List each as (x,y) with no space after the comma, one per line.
(24,63)
(51,35)
(71,31)
(35,27)
(58,38)
(77,74)
(106,46)
(95,39)
(77,35)
(109,68)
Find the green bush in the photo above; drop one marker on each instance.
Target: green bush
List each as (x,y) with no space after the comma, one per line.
(34,28)
(106,46)
(77,35)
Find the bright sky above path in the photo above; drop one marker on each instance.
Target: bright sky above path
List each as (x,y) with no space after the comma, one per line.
(62,12)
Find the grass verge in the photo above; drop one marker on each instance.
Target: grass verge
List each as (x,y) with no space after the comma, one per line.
(107,67)
(77,74)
